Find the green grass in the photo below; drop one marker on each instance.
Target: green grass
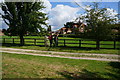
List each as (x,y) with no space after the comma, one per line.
(72,55)
(67,49)
(66,55)
(26,66)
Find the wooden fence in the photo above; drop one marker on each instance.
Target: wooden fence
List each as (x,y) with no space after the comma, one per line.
(65,42)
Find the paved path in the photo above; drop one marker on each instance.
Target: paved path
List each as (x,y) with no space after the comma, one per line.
(22,51)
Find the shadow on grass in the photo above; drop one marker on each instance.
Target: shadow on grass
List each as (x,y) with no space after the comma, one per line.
(77,48)
(18,45)
(83,75)
(113,73)
(10,45)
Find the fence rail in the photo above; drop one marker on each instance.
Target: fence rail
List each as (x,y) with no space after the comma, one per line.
(66,42)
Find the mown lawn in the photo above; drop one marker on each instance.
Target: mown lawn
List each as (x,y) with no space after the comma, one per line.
(26,66)
(67,49)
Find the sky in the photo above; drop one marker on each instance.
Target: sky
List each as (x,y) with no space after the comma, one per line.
(61,12)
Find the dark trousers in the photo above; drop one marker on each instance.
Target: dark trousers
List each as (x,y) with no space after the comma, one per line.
(56,42)
(51,41)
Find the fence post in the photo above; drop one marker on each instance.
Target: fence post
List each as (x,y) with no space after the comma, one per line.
(64,42)
(57,42)
(3,40)
(114,44)
(34,41)
(13,40)
(97,44)
(79,43)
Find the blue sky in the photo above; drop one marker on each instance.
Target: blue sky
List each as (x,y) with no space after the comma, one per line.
(61,12)
(113,5)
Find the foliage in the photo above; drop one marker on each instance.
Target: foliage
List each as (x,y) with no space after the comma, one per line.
(49,28)
(23,18)
(98,23)
(69,24)
(115,31)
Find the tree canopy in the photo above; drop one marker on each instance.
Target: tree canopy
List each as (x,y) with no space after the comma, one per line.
(23,18)
(98,23)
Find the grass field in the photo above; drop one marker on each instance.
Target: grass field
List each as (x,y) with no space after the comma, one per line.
(24,66)
(65,49)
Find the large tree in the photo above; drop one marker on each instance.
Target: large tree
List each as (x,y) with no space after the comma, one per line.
(23,17)
(99,23)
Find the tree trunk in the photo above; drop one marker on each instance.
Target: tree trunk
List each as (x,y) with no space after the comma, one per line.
(98,44)
(21,40)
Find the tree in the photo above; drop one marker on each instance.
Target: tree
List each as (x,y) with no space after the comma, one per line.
(49,28)
(23,17)
(69,24)
(98,23)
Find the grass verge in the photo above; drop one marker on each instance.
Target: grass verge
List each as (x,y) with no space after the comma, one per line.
(67,49)
(62,54)
(26,66)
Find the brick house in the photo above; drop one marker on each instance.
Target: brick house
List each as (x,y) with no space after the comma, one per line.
(80,27)
(1,33)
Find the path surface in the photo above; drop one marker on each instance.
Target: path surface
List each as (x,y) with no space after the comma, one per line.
(32,52)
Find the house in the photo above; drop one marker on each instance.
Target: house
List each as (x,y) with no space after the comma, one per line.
(1,33)
(71,28)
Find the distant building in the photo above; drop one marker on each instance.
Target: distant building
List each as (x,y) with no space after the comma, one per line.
(1,33)
(71,28)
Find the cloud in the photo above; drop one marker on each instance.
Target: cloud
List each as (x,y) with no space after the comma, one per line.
(59,15)
(2,24)
(62,14)
(111,12)
(1,1)
(48,6)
